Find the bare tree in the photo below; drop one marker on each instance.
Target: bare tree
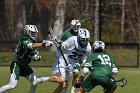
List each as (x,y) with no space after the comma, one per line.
(122,19)
(59,17)
(96,23)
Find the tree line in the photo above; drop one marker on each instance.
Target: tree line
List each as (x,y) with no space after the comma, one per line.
(117,20)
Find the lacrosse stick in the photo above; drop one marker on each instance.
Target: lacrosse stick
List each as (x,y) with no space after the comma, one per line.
(122,82)
(84,18)
(54,39)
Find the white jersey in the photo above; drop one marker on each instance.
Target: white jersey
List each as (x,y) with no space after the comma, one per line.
(74,52)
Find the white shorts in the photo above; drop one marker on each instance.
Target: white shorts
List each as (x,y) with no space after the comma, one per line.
(59,67)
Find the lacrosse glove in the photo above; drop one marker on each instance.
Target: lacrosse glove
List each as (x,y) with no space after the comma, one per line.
(47,43)
(36,56)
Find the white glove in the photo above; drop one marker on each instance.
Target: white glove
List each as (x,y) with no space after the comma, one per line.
(36,58)
(57,44)
(69,68)
(47,43)
(114,71)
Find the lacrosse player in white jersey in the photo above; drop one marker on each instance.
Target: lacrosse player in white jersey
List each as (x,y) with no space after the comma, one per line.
(75,48)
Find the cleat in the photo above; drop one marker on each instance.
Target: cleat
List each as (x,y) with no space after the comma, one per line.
(37,80)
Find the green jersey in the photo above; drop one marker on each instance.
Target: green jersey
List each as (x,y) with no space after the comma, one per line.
(102,64)
(24,54)
(68,33)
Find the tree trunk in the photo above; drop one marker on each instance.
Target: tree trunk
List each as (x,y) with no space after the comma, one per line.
(59,19)
(122,20)
(96,23)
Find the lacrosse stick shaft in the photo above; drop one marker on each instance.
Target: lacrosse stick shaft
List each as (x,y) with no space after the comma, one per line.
(84,18)
(55,41)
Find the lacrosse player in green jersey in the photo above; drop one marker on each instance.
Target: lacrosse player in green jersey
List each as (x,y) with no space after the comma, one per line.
(101,70)
(72,31)
(25,52)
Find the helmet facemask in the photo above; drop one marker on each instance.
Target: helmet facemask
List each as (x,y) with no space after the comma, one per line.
(84,41)
(32,31)
(83,36)
(75,25)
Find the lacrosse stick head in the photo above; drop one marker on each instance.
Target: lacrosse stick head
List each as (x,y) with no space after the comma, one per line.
(83,36)
(31,31)
(75,25)
(84,18)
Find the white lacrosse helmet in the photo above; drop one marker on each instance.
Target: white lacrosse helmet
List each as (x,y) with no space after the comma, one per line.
(83,36)
(75,25)
(98,45)
(31,30)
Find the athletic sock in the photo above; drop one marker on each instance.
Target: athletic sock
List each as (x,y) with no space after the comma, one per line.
(73,89)
(44,78)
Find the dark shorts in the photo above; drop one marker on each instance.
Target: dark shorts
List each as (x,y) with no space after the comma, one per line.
(93,80)
(19,70)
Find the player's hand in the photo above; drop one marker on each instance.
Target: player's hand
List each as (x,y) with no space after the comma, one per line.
(57,44)
(76,65)
(36,58)
(69,68)
(47,43)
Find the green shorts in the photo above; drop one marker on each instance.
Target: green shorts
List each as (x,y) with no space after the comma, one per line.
(93,80)
(19,70)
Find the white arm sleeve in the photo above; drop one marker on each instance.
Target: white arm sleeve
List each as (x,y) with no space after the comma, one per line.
(114,71)
(85,71)
(29,45)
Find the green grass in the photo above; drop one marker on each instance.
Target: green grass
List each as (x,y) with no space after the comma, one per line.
(122,56)
(132,75)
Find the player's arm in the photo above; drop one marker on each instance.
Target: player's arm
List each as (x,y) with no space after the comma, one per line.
(115,70)
(86,65)
(69,43)
(46,43)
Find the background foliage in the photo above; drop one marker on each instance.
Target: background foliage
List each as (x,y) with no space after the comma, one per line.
(14,14)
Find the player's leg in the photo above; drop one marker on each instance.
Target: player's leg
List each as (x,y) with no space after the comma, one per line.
(62,87)
(11,85)
(57,71)
(108,84)
(13,78)
(31,78)
(85,72)
(76,69)
(65,86)
(68,78)
(54,78)
(80,90)
(87,85)
(74,80)
(111,90)
(59,88)
(61,69)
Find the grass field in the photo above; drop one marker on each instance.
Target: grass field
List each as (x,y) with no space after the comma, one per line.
(132,75)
